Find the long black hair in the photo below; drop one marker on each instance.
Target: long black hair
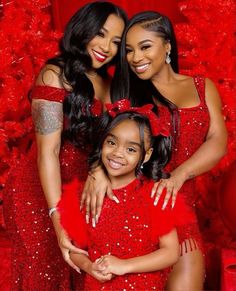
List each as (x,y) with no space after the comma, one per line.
(125,83)
(154,168)
(74,61)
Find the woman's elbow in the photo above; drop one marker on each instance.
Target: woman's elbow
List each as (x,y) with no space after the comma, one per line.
(45,155)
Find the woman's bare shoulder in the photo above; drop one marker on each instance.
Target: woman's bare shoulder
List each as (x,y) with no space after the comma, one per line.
(50,75)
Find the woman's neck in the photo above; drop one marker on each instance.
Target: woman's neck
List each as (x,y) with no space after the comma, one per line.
(165,76)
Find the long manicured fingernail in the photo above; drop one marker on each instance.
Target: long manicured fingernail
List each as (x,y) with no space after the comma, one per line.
(152,194)
(96,218)
(164,205)
(93,222)
(116,199)
(87,218)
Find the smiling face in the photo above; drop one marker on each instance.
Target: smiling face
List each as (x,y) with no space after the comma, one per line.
(121,152)
(104,46)
(146,52)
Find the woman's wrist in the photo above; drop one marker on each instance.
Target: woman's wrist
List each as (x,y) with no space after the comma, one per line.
(184,174)
(56,223)
(51,211)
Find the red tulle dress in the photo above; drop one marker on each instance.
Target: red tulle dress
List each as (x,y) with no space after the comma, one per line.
(128,229)
(37,262)
(192,132)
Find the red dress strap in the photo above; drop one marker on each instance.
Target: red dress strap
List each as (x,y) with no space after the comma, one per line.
(199,82)
(48,93)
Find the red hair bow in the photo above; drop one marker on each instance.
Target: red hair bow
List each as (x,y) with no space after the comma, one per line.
(146,110)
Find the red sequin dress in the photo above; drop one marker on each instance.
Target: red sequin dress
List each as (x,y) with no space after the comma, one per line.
(128,229)
(37,262)
(192,132)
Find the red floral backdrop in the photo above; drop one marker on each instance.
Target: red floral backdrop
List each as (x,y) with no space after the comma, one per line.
(206,36)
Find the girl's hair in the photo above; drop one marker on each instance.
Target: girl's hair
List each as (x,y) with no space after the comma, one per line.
(126,83)
(74,60)
(161,145)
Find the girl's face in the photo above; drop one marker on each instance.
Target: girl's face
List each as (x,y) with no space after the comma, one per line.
(121,152)
(146,52)
(104,46)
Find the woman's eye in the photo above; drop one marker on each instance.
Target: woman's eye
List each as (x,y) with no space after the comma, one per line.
(145,47)
(128,50)
(100,33)
(116,42)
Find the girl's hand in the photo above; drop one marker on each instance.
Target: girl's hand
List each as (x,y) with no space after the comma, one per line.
(172,186)
(96,187)
(111,264)
(65,243)
(97,273)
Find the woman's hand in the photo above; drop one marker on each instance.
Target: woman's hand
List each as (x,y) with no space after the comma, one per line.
(172,185)
(109,264)
(65,243)
(96,187)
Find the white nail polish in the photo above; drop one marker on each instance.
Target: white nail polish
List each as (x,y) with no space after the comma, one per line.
(93,222)
(115,199)
(96,218)
(164,206)
(87,218)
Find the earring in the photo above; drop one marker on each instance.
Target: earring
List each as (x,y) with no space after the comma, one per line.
(168,59)
(141,167)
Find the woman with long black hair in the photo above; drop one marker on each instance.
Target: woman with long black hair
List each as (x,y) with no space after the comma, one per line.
(148,73)
(67,98)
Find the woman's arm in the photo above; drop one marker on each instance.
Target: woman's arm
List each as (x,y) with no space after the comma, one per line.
(96,187)
(48,121)
(207,155)
(165,256)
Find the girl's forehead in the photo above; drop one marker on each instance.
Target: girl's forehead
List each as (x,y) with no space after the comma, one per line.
(129,129)
(126,124)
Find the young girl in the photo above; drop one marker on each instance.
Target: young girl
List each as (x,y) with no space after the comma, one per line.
(133,240)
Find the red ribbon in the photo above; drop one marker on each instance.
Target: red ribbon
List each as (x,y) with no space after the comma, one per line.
(146,110)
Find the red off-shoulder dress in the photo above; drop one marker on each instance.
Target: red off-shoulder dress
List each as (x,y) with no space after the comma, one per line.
(37,263)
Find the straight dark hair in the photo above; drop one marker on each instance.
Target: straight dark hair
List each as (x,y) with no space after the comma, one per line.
(126,83)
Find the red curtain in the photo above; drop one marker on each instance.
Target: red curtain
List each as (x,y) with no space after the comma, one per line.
(64,9)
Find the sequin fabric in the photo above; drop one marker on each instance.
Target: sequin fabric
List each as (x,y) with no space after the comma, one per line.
(192,132)
(128,229)
(37,262)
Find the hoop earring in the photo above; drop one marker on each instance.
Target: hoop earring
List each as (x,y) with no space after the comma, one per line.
(168,59)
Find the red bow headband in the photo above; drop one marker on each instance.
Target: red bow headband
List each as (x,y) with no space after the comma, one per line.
(146,110)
